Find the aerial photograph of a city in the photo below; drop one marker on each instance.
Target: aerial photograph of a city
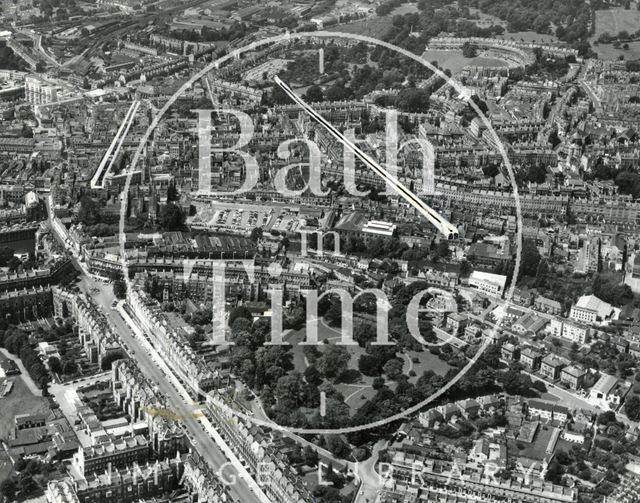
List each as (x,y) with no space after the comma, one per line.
(320,251)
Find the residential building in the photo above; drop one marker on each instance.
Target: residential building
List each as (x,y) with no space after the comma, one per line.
(573,377)
(551,366)
(456,322)
(508,351)
(574,332)
(118,453)
(546,305)
(530,359)
(548,411)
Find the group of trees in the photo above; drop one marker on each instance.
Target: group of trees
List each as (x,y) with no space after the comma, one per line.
(632,408)
(171,218)
(120,288)
(23,483)
(627,181)
(233,32)
(90,212)
(67,364)
(10,61)
(8,259)
(17,342)
(610,289)
(572,18)
(469,50)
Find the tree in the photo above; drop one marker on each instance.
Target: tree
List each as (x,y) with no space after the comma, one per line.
(314,94)
(171,217)
(172,192)
(313,376)
(89,213)
(55,365)
(6,254)
(530,259)
(8,488)
(491,170)
(289,389)
(120,288)
(239,312)
(70,367)
(241,324)
(108,359)
(378,383)
(14,264)
(310,456)
(256,234)
(413,100)
(26,131)
(465,268)
(469,50)
(442,251)
(333,361)
(632,408)
(393,368)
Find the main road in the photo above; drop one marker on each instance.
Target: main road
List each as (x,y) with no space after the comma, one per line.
(102,295)
(242,488)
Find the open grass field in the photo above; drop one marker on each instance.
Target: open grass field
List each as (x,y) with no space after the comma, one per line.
(613,21)
(455,61)
(373,26)
(607,51)
(405,8)
(19,401)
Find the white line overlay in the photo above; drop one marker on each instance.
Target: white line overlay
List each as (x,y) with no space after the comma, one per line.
(463,93)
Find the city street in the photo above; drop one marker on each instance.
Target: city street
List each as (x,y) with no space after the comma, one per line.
(102,294)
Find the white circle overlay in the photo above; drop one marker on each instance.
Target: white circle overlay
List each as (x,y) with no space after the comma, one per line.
(463,92)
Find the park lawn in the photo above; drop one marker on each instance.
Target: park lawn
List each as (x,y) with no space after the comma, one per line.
(405,8)
(548,397)
(613,21)
(427,361)
(455,61)
(19,401)
(6,466)
(374,26)
(608,52)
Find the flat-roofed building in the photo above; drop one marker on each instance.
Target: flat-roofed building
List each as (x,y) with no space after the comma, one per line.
(488,283)
(549,411)
(608,392)
(590,309)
